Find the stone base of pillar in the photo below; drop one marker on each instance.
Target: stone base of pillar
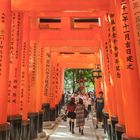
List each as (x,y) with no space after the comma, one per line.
(33,116)
(58,119)
(119,129)
(59,108)
(61,104)
(36,139)
(5,131)
(57,111)
(15,126)
(109,129)
(52,114)
(114,120)
(25,135)
(46,111)
(125,137)
(49,125)
(40,125)
(105,118)
(43,136)
(63,100)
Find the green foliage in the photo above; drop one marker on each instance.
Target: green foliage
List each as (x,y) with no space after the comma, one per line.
(73,75)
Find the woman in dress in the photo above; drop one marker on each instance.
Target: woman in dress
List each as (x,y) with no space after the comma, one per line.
(80,116)
(71,113)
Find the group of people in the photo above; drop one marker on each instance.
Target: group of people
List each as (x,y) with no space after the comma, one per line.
(78,108)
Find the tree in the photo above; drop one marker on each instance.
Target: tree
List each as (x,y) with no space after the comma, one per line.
(72,76)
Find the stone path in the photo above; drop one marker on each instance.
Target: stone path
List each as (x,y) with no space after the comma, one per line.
(90,133)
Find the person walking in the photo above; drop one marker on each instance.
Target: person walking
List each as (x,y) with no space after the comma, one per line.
(89,103)
(99,106)
(71,113)
(80,116)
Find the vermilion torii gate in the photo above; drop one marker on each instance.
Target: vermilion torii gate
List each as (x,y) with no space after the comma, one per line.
(30,76)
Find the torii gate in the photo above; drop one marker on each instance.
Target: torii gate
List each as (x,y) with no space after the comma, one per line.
(117,38)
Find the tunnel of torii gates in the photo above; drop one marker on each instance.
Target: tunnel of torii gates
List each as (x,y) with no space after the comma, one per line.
(33,56)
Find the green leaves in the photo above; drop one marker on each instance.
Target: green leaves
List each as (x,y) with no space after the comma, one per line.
(74,75)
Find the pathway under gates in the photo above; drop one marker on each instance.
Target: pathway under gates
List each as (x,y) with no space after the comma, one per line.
(39,39)
(61,132)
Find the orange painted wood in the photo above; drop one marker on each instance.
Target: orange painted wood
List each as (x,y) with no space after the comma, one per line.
(135,14)
(131,86)
(15,64)
(46,67)
(33,73)
(5,25)
(24,94)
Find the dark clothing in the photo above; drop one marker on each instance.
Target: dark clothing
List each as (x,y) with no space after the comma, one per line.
(99,104)
(99,115)
(70,109)
(71,115)
(89,108)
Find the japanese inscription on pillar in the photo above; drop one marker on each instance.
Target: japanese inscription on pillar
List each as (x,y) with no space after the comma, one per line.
(5,23)
(136,9)
(47,71)
(56,80)
(135,14)
(126,34)
(108,49)
(22,84)
(115,49)
(24,71)
(2,38)
(52,90)
(107,59)
(15,53)
(32,68)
